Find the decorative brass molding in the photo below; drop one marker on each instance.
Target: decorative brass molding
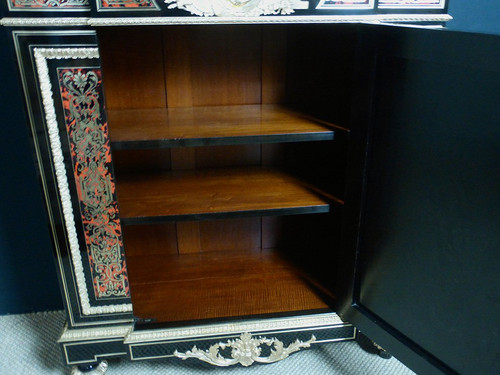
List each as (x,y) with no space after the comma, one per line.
(234,328)
(87,334)
(41,56)
(246,350)
(44,21)
(237,8)
(145,21)
(359,18)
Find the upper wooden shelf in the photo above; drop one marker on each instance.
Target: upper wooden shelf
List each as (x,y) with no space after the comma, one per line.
(212,126)
(215,194)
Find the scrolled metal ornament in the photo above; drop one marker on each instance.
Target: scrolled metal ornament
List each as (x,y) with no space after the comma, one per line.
(238,8)
(246,350)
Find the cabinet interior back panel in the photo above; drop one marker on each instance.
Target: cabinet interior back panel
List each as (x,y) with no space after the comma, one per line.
(132,62)
(185,66)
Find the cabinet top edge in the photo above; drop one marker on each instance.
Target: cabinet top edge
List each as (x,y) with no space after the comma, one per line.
(163,21)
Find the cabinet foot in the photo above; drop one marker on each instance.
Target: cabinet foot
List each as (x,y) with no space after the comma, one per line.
(368,345)
(382,352)
(98,368)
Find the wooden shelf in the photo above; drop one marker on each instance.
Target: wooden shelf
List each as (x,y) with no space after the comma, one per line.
(218,284)
(212,126)
(215,194)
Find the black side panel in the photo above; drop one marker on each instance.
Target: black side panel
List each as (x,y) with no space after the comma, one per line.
(27,278)
(427,280)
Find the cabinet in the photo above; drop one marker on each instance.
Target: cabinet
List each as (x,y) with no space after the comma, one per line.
(216,190)
(216,183)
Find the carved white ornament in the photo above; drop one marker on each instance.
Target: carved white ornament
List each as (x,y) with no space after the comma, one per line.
(41,57)
(245,350)
(237,8)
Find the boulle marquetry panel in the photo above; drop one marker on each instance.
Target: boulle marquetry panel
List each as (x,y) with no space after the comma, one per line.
(128,4)
(340,4)
(412,4)
(86,126)
(48,5)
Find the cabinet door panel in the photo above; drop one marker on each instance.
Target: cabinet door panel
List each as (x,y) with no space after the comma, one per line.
(69,132)
(426,284)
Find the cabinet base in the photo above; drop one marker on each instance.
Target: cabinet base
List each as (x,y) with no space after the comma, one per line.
(283,335)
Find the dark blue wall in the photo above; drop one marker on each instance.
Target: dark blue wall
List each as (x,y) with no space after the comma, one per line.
(27,272)
(479,16)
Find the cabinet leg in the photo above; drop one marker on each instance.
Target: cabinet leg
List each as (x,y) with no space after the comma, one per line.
(368,345)
(98,368)
(382,352)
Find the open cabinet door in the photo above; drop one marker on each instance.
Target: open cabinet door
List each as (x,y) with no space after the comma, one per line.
(423,199)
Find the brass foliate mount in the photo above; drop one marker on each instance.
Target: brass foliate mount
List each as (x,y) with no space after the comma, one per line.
(245,350)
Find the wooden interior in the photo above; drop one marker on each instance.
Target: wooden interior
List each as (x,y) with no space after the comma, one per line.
(224,283)
(215,193)
(205,149)
(214,125)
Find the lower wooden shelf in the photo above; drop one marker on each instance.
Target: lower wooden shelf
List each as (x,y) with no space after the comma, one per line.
(215,194)
(170,288)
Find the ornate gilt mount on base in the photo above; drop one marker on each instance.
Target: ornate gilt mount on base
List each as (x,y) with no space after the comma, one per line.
(246,350)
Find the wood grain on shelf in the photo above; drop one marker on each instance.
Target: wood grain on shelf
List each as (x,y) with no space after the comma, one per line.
(205,193)
(197,126)
(215,285)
